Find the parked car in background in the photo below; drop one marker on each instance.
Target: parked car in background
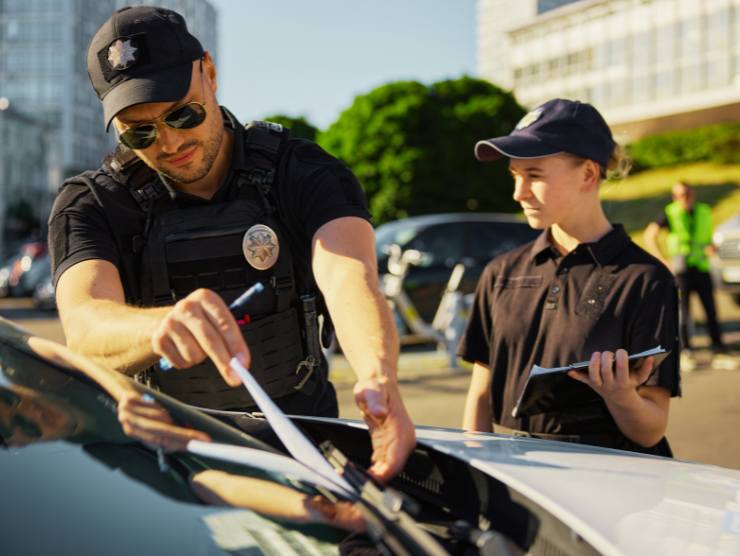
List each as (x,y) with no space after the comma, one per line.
(23,272)
(447,239)
(726,263)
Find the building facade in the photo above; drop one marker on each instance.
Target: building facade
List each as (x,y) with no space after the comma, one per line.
(23,164)
(43,46)
(648,65)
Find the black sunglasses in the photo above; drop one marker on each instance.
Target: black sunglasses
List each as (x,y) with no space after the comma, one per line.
(187,116)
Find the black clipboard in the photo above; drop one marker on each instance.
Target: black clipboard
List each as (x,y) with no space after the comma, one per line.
(543,384)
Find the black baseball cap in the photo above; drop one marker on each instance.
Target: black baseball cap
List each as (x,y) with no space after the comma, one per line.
(557,126)
(141,54)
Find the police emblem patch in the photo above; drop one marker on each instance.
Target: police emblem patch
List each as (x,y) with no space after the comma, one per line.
(261,246)
(529,118)
(122,54)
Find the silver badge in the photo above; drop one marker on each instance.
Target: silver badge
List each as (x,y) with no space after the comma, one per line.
(261,246)
(122,55)
(529,118)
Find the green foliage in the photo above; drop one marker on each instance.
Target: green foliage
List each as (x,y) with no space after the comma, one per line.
(411,146)
(299,126)
(716,143)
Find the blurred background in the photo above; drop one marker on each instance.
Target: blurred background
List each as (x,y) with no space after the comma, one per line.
(401,91)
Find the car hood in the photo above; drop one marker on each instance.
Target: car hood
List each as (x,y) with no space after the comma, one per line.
(619,502)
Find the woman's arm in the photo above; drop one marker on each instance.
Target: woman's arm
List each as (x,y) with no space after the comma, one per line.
(477,415)
(641,412)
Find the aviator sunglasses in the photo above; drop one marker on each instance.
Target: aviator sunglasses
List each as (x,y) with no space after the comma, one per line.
(187,116)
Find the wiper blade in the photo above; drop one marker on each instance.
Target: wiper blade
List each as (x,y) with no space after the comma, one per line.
(386,510)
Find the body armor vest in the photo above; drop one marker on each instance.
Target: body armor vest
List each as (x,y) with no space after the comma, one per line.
(183,249)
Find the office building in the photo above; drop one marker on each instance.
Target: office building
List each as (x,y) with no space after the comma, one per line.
(43,74)
(648,65)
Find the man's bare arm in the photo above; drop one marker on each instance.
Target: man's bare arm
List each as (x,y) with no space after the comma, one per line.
(345,267)
(478,415)
(98,323)
(652,242)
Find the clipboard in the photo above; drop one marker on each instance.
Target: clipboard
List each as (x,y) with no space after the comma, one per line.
(543,383)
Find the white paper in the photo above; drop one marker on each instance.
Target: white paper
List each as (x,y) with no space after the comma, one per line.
(274,463)
(293,439)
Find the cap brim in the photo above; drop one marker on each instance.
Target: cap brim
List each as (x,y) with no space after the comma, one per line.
(168,85)
(512,146)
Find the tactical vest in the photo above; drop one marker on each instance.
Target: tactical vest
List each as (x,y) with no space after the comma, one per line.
(689,236)
(186,248)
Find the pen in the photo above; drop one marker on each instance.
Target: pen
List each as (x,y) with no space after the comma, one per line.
(236,307)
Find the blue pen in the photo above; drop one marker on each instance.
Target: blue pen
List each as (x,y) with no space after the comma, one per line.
(236,306)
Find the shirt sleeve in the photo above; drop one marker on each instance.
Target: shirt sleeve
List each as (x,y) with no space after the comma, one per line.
(475,345)
(78,231)
(657,324)
(322,189)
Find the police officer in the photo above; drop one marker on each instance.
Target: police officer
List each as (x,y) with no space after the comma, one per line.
(581,291)
(689,241)
(148,250)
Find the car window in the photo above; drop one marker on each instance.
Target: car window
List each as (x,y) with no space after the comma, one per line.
(443,243)
(398,233)
(489,239)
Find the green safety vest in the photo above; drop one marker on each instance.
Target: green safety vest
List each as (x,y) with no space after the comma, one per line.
(689,234)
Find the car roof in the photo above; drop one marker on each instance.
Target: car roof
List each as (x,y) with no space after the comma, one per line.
(447,217)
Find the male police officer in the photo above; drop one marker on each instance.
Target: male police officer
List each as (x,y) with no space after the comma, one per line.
(141,245)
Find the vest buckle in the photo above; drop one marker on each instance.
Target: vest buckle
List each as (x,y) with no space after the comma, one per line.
(281,284)
(309,363)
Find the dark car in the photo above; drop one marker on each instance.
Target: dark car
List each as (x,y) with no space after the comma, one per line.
(448,239)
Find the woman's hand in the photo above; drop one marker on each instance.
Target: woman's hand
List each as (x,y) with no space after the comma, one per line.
(609,375)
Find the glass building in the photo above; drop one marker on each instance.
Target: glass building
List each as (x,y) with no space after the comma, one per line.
(43,45)
(648,65)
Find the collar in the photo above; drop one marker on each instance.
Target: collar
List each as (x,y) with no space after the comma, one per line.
(602,251)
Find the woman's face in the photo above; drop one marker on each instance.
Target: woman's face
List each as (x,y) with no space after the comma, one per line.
(552,189)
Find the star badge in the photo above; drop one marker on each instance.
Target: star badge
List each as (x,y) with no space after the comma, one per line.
(529,118)
(122,54)
(261,247)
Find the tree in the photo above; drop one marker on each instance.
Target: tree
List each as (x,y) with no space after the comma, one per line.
(299,126)
(411,146)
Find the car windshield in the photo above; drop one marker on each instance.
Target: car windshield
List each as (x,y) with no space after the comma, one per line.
(399,233)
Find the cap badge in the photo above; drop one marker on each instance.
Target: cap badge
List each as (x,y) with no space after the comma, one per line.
(261,246)
(529,118)
(122,55)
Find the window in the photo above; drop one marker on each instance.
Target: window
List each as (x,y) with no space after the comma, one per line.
(488,239)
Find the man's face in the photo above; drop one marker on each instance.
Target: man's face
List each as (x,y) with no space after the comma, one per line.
(183,155)
(683,195)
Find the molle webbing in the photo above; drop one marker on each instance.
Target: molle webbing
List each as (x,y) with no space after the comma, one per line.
(277,352)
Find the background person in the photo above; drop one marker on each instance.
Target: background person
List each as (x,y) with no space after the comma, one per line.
(148,250)
(688,247)
(581,290)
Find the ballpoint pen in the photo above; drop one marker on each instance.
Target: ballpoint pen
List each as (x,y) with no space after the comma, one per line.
(235,307)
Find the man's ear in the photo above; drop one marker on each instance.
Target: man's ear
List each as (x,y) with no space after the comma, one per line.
(209,70)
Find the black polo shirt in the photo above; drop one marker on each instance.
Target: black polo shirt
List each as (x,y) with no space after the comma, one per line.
(534,305)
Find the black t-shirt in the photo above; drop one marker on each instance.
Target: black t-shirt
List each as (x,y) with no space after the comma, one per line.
(536,306)
(317,189)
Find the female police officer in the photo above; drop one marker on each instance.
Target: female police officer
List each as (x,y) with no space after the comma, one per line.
(581,290)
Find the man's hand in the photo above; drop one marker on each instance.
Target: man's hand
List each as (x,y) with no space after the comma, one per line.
(147,421)
(391,431)
(200,326)
(610,383)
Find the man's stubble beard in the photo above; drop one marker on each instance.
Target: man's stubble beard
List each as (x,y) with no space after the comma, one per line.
(211,147)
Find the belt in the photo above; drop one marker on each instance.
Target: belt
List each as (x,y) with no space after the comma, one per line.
(591,438)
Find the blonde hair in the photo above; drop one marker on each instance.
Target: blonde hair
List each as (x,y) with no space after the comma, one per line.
(617,168)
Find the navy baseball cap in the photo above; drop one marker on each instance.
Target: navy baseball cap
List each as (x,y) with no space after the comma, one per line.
(141,54)
(557,126)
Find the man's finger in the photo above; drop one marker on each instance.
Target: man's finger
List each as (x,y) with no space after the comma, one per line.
(645,370)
